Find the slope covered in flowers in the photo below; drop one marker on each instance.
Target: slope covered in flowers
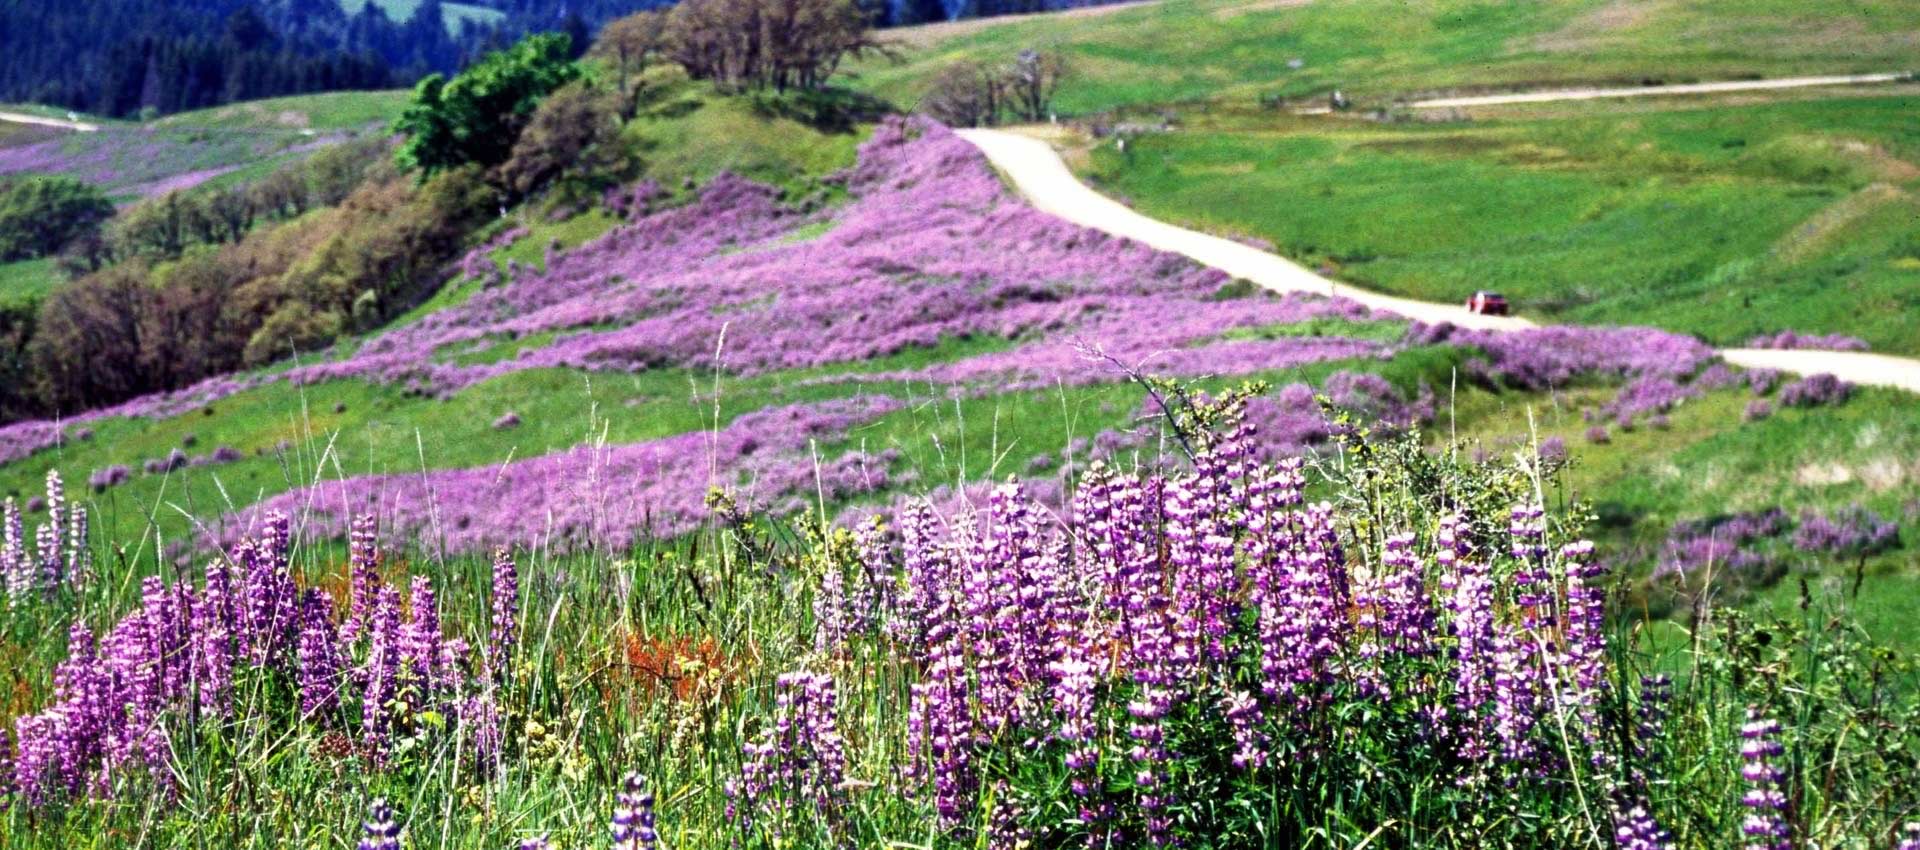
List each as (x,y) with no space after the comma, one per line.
(1194,654)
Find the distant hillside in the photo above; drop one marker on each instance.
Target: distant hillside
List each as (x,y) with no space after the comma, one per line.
(1242,50)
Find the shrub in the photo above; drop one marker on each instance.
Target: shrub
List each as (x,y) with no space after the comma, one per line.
(476,117)
(41,214)
(1816,391)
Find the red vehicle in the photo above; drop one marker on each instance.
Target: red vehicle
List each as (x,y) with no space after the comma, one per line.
(1487,303)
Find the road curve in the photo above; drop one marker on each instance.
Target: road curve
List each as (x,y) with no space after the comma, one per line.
(24,118)
(1553,95)
(1040,175)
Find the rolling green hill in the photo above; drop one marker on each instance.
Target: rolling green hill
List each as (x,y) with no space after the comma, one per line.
(1240,50)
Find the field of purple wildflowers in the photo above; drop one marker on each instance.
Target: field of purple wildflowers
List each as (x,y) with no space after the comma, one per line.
(1220,649)
(1260,622)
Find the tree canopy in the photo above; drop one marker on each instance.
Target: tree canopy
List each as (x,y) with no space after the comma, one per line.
(476,116)
(39,215)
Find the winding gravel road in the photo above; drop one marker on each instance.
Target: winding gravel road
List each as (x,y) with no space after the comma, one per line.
(1553,95)
(43,121)
(1036,169)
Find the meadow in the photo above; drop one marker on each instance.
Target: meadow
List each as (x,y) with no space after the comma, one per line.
(1726,221)
(806,488)
(1239,51)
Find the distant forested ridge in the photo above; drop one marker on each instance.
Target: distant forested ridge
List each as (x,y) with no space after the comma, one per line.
(122,58)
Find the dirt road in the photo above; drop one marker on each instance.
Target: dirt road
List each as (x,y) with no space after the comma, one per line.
(1043,177)
(1553,95)
(24,118)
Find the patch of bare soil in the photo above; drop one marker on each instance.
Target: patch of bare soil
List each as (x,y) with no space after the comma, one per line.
(1596,26)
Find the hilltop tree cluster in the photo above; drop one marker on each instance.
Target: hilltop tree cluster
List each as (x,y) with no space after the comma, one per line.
(778,44)
(975,94)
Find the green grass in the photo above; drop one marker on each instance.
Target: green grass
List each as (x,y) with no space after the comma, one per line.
(1722,221)
(346,110)
(28,280)
(1196,50)
(687,133)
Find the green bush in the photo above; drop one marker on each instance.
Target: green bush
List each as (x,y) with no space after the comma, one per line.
(39,215)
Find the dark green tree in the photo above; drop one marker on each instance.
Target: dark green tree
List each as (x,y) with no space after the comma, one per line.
(39,215)
(476,116)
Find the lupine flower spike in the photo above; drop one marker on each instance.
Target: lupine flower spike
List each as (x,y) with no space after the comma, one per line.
(381,831)
(1766,824)
(633,827)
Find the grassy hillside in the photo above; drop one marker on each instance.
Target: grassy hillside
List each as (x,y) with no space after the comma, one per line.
(677,400)
(1720,220)
(1237,50)
(357,110)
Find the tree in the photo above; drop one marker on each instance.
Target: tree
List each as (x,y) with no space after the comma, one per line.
(476,116)
(573,139)
(630,44)
(760,43)
(965,94)
(40,215)
(1032,80)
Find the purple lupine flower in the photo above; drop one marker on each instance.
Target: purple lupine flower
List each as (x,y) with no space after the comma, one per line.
(380,671)
(1637,830)
(633,825)
(1909,837)
(1073,705)
(1202,562)
(1766,825)
(380,831)
(1584,658)
(830,611)
(6,770)
(48,557)
(505,630)
(1244,717)
(16,565)
(79,554)
(322,662)
(799,762)
(538,842)
(1656,694)
(419,639)
(1469,586)
(213,626)
(363,575)
(1006,825)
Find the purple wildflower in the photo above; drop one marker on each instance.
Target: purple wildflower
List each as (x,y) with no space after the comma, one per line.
(322,662)
(380,831)
(633,825)
(1766,825)
(506,612)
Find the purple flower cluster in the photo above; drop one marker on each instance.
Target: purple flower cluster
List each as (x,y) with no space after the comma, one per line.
(633,826)
(1094,634)
(798,766)
(603,495)
(185,653)
(1766,825)
(1853,531)
(1816,391)
(1648,395)
(110,476)
(1550,357)
(1723,544)
(1793,340)
(60,552)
